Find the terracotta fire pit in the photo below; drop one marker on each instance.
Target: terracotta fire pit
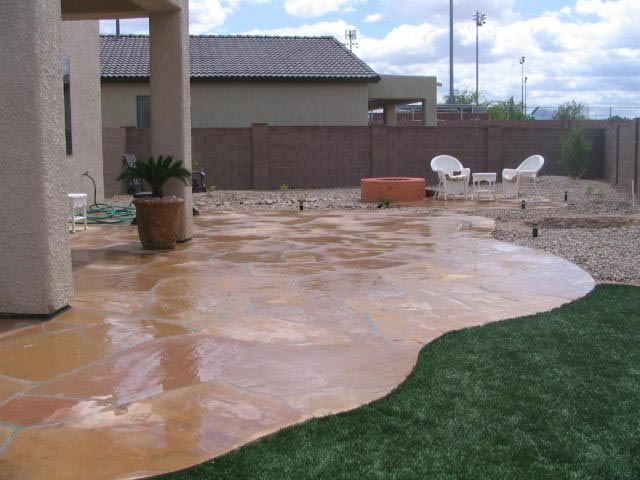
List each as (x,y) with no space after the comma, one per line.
(396,189)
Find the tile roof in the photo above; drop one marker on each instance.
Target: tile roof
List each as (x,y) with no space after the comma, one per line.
(241,57)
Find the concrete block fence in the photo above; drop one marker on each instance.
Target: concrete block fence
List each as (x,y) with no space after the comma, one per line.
(265,157)
(622,158)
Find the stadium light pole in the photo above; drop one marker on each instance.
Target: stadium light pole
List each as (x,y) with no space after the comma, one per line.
(480,19)
(526,80)
(451,96)
(522,101)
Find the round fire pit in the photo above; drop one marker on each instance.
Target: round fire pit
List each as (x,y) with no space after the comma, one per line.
(396,189)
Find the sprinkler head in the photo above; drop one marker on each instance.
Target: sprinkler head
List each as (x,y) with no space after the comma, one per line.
(566,195)
(535,230)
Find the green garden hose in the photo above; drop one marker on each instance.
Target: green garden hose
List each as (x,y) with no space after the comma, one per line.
(108,214)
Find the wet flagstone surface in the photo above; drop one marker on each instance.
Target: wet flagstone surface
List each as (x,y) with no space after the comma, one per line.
(263,320)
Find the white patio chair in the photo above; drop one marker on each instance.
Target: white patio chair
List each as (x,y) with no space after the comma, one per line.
(526,170)
(453,178)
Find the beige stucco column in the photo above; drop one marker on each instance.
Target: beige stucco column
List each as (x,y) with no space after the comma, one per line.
(35,258)
(170,99)
(390,115)
(429,113)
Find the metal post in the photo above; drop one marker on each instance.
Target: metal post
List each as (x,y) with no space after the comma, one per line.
(117,28)
(480,19)
(451,95)
(477,60)
(525,95)
(522,98)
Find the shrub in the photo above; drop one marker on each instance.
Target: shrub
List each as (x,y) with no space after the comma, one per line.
(571,111)
(575,150)
(157,172)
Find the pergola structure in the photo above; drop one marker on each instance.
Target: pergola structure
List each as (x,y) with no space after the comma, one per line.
(35,256)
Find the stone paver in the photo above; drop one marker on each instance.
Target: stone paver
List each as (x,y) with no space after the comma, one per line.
(263,320)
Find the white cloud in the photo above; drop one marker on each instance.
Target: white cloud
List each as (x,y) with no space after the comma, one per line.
(588,53)
(317,8)
(334,29)
(435,11)
(206,16)
(373,18)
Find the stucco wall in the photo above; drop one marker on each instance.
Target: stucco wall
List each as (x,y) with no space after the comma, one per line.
(119,103)
(80,43)
(240,104)
(35,259)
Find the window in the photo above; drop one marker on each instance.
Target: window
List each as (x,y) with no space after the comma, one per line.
(66,80)
(143,109)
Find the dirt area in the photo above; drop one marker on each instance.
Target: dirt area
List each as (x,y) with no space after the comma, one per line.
(595,228)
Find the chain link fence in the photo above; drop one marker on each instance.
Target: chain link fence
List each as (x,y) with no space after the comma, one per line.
(590,112)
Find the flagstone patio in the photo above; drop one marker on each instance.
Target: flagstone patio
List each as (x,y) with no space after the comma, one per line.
(262,321)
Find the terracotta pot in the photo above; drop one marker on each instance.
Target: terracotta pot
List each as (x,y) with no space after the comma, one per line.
(158,222)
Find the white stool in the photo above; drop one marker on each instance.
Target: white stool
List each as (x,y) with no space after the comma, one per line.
(484,183)
(78,201)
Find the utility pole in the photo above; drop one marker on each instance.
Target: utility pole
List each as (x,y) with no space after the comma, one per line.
(522,101)
(451,95)
(351,36)
(480,19)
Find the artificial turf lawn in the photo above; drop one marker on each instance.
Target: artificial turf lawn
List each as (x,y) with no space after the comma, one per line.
(555,395)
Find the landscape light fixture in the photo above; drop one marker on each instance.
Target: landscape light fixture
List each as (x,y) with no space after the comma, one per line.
(522,101)
(480,19)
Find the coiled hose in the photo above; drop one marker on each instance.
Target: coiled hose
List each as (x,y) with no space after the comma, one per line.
(102,213)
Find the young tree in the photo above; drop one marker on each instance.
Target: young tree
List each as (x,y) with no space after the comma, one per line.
(507,110)
(463,97)
(575,150)
(571,111)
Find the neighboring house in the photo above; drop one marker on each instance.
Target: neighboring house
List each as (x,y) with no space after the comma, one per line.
(237,81)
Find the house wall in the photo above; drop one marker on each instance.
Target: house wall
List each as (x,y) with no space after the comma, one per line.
(35,259)
(241,104)
(266,156)
(80,43)
(119,103)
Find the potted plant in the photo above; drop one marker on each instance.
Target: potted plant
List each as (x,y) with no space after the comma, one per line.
(158,218)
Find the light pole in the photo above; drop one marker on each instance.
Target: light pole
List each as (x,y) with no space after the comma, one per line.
(522,101)
(451,97)
(480,19)
(526,79)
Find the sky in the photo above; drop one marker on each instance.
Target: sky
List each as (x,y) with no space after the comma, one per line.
(583,50)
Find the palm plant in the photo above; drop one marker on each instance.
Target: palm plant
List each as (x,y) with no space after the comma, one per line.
(157,172)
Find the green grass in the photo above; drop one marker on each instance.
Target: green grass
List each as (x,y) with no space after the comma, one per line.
(555,395)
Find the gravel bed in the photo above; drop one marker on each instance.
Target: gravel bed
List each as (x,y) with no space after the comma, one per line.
(610,251)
